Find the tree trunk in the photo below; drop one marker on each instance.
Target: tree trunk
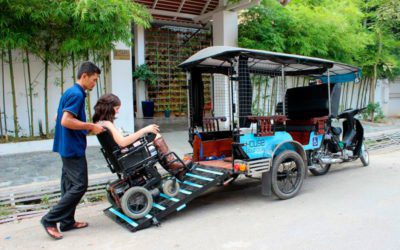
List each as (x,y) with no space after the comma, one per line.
(372,91)
(26,85)
(62,77)
(367,83)
(4,96)
(14,99)
(104,75)
(344,100)
(46,107)
(272,96)
(352,93)
(359,93)
(30,85)
(265,94)
(73,67)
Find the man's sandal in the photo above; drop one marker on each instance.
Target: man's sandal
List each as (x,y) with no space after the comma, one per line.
(52,231)
(76,225)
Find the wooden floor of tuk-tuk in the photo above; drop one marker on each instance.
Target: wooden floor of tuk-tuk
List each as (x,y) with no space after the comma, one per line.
(222,163)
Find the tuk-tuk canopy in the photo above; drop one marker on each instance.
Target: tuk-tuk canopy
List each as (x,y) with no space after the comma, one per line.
(219,59)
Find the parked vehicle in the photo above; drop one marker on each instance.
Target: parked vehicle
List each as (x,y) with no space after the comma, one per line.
(243,122)
(336,150)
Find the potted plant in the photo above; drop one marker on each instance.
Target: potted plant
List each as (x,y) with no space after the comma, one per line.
(167,111)
(143,73)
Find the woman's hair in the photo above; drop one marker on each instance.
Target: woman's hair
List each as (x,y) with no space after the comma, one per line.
(104,108)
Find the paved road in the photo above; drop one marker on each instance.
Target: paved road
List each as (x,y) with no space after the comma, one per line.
(352,207)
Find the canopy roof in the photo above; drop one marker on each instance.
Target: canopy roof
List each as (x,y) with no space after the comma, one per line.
(217,58)
(191,12)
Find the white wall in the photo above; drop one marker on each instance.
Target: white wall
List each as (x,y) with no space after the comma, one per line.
(394,98)
(122,86)
(37,74)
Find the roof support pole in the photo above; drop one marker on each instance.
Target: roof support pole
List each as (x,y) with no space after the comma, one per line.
(283,91)
(329,92)
(139,59)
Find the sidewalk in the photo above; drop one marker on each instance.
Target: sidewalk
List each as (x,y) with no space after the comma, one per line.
(33,162)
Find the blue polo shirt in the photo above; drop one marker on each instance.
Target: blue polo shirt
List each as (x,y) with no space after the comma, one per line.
(69,142)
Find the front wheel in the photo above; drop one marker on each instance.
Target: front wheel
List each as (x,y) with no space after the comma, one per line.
(364,156)
(136,202)
(288,172)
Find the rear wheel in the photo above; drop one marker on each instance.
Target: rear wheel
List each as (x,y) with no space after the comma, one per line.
(136,202)
(288,172)
(320,169)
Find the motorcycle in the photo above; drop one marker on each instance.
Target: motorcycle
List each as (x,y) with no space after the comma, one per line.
(336,150)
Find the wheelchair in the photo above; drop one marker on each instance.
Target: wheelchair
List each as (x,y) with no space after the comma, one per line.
(139,181)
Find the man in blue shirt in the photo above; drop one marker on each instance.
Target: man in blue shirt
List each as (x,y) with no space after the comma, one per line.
(70,143)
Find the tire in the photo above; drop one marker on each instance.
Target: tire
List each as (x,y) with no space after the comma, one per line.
(283,174)
(169,188)
(364,155)
(321,169)
(136,202)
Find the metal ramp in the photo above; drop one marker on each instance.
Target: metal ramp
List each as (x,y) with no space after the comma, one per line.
(197,181)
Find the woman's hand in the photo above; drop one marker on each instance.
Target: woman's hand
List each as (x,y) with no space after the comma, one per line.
(153,128)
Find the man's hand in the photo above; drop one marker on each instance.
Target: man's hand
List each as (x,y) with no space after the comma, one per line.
(96,129)
(68,120)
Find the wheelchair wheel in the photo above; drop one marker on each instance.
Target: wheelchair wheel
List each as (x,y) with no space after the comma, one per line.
(288,173)
(136,202)
(169,188)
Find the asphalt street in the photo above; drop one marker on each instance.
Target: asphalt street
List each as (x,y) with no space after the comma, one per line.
(352,207)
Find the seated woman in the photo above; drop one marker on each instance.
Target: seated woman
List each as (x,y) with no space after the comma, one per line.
(105,112)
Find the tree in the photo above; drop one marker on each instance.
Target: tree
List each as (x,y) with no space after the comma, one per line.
(13,20)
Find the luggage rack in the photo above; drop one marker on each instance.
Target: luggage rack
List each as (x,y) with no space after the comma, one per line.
(197,181)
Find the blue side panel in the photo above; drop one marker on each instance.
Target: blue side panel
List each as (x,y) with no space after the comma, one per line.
(262,146)
(315,141)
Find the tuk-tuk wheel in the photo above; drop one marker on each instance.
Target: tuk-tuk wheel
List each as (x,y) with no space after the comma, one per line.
(136,202)
(364,156)
(288,172)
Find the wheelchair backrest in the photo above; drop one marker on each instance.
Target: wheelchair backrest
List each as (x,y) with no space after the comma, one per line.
(110,150)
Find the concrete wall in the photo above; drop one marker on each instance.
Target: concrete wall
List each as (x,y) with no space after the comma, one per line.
(394,98)
(37,74)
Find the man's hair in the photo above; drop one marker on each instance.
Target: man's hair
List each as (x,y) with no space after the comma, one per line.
(89,68)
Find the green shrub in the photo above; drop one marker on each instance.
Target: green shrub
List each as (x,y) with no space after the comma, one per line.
(373,112)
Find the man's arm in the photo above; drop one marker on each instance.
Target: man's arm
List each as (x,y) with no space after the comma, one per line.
(68,120)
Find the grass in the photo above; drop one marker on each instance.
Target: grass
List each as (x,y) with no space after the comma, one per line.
(24,138)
